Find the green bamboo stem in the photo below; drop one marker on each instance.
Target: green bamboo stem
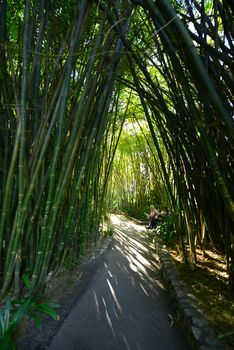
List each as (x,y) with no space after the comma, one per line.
(197,68)
(66,130)
(152,133)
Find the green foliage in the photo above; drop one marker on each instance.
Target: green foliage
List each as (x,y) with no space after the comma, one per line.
(14,312)
(224,335)
(166,86)
(109,231)
(5,327)
(166,228)
(56,157)
(136,177)
(27,282)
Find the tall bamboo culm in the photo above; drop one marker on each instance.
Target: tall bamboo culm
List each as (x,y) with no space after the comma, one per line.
(58,79)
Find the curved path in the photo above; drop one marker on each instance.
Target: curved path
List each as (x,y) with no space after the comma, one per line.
(125,304)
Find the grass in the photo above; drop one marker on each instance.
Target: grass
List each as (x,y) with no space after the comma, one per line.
(208,281)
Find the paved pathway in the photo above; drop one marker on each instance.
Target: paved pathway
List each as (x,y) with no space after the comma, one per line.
(125,305)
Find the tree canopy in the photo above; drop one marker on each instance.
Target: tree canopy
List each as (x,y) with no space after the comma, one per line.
(112,104)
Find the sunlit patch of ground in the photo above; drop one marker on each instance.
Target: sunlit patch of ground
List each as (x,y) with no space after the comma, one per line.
(208,281)
(131,234)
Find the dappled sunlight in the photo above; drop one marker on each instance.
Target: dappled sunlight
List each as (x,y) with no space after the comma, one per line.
(139,254)
(115,219)
(139,257)
(126,296)
(143,288)
(126,342)
(137,267)
(114,296)
(109,273)
(123,223)
(96,301)
(135,242)
(137,261)
(108,318)
(125,302)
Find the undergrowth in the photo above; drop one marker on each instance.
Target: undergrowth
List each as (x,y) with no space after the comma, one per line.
(208,281)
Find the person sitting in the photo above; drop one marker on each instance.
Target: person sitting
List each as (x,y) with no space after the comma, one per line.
(153,215)
(164,213)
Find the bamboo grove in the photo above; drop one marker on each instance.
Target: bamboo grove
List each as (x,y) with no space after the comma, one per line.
(64,67)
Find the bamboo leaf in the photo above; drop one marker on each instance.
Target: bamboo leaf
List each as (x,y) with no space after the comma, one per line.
(226,334)
(27,281)
(23,310)
(1,322)
(7,313)
(49,311)
(54,305)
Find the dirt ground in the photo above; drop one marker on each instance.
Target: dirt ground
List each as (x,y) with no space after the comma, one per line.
(208,281)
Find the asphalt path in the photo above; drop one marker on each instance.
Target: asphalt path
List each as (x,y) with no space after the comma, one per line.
(125,304)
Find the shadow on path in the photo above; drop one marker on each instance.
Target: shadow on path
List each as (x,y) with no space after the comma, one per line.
(125,305)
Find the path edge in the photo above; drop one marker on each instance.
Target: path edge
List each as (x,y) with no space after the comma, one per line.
(197,329)
(33,338)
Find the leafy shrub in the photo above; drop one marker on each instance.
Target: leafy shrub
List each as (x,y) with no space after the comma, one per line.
(109,231)
(166,228)
(11,317)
